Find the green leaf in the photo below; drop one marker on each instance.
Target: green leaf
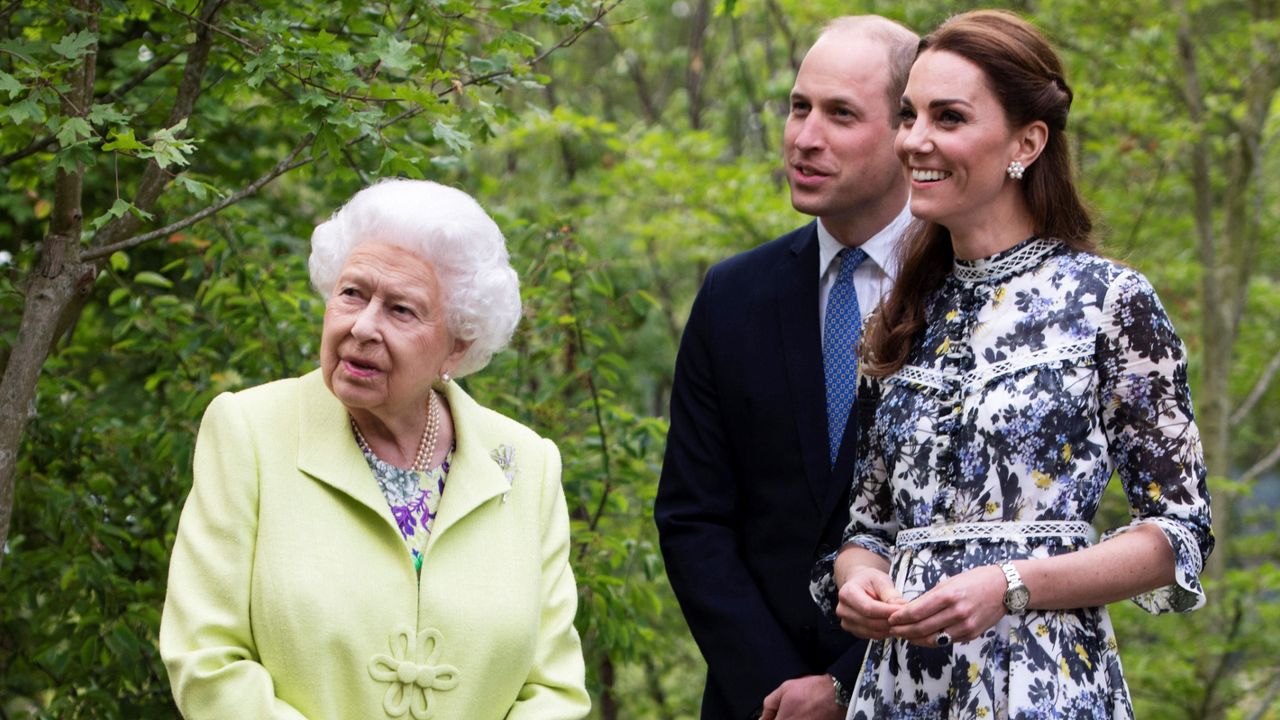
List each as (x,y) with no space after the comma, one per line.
(153,279)
(26,110)
(72,131)
(123,142)
(169,149)
(199,190)
(10,84)
(101,114)
(74,46)
(457,141)
(396,54)
(118,209)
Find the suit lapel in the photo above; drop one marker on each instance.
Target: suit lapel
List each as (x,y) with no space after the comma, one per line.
(860,415)
(474,476)
(328,452)
(797,306)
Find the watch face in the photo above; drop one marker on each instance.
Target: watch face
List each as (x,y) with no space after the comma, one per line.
(1016,598)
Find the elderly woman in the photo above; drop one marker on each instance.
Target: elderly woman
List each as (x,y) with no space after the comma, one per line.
(1014,370)
(366,541)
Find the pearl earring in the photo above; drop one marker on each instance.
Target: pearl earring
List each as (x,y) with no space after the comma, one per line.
(444,378)
(1015,170)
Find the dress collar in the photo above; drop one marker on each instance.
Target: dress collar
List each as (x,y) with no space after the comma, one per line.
(1006,263)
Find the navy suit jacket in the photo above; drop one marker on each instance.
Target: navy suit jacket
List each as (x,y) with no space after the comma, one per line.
(748,500)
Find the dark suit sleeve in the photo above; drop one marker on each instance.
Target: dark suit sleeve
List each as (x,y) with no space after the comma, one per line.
(845,668)
(747,651)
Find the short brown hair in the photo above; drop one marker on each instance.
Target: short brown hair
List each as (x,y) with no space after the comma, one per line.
(900,43)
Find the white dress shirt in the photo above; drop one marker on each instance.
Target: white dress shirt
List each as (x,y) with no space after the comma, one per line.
(874,276)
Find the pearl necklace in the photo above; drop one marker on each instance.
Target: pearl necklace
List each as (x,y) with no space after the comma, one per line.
(426,446)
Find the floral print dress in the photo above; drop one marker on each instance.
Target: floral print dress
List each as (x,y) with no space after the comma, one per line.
(1039,371)
(413,498)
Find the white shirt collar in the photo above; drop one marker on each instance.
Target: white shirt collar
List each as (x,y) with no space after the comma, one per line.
(880,248)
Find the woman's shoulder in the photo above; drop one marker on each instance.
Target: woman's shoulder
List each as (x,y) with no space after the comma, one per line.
(492,425)
(1093,263)
(270,402)
(1110,273)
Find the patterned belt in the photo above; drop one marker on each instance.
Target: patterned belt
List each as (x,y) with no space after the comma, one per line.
(993,531)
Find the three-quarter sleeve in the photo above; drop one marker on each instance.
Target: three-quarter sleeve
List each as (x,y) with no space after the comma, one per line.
(1154,442)
(555,688)
(872,522)
(205,636)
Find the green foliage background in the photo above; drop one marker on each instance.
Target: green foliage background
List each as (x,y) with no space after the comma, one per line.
(620,167)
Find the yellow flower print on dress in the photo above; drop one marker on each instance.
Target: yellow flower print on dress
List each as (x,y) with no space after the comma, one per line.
(412,673)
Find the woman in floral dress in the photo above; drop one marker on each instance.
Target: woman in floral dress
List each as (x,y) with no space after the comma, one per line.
(1010,372)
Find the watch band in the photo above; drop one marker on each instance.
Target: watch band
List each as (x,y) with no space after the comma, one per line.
(843,695)
(1016,596)
(1011,574)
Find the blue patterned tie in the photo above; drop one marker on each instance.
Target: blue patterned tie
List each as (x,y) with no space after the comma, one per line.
(843,327)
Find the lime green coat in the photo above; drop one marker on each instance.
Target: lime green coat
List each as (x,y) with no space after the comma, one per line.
(292,594)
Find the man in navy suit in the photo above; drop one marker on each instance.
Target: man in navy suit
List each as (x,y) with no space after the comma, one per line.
(755,483)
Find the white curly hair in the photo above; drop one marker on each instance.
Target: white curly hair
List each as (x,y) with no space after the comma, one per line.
(447,228)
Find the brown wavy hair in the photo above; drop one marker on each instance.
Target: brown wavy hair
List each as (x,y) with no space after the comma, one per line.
(1025,74)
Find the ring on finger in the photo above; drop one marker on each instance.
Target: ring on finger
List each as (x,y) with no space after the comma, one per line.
(942,639)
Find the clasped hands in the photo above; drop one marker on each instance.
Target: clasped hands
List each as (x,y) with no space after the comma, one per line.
(963,606)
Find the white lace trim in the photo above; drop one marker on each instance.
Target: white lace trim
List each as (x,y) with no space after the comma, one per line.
(994,531)
(916,375)
(980,377)
(1025,257)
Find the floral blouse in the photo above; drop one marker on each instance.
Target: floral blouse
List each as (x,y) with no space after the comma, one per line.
(413,498)
(1038,372)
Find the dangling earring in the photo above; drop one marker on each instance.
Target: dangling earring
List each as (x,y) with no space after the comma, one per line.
(1015,170)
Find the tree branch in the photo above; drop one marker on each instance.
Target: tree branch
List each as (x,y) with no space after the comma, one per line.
(696,70)
(635,70)
(48,141)
(749,89)
(290,162)
(285,165)
(780,21)
(154,178)
(1273,693)
(1267,462)
(1259,389)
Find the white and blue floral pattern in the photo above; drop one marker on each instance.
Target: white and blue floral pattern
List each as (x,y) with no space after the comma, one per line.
(413,498)
(1039,371)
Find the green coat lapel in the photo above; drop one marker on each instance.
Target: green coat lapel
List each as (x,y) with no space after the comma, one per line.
(474,476)
(328,452)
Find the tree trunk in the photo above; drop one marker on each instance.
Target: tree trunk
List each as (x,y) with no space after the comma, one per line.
(53,288)
(59,285)
(695,74)
(608,699)
(1227,257)
(54,284)
(1213,405)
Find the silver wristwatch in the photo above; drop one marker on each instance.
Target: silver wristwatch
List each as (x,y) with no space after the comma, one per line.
(843,694)
(1016,596)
